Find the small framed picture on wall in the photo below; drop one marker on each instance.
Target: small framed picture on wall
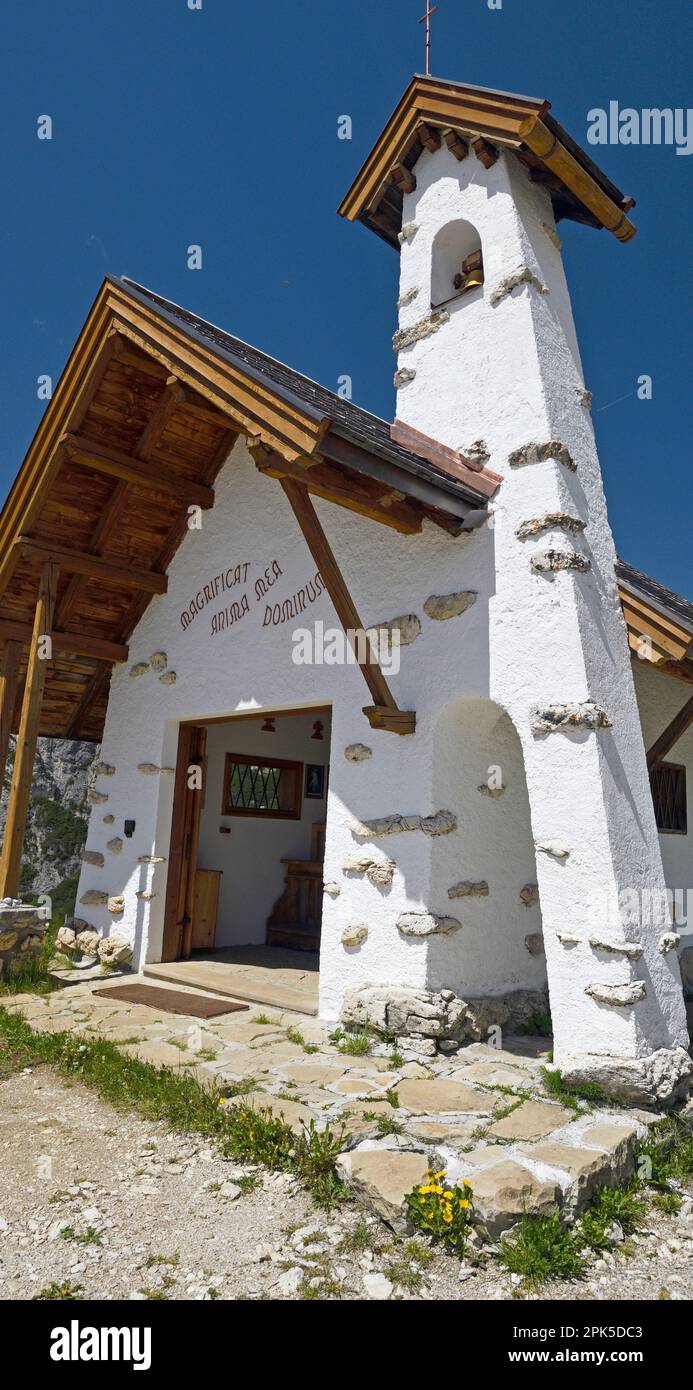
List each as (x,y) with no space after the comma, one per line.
(315,782)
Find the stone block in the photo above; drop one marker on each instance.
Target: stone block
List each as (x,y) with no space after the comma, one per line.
(381,1178)
(504,1192)
(532,1120)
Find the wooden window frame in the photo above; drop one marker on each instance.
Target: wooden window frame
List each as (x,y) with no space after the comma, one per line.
(258,760)
(680,768)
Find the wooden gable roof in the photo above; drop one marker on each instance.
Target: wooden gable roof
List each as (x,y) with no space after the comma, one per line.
(432,109)
(145,413)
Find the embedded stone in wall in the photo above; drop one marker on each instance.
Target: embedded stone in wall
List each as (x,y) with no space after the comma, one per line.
(469,889)
(553,521)
(662,1078)
(333,890)
(553,236)
(93,857)
(403,376)
(379,872)
(145,895)
(65,939)
(407,625)
(426,924)
(568,939)
(8,939)
(158,661)
(116,904)
(408,297)
(404,1011)
(103,770)
(443,606)
(554,849)
(668,942)
(354,936)
(94,897)
(96,798)
(406,337)
(554,561)
(151,859)
(573,715)
(632,949)
(108,820)
(115,845)
(541,453)
(168,678)
(153,770)
(535,943)
(619,996)
(408,232)
(115,950)
(529,895)
(139,669)
(522,276)
(441,823)
(493,792)
(478,452)
(584,396)
(357,753)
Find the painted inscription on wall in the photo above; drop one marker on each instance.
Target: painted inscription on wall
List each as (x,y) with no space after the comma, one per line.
(243,594)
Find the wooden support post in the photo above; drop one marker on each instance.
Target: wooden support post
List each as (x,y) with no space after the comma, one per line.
(671,735)
(385,713)
(9,681)
(18,801)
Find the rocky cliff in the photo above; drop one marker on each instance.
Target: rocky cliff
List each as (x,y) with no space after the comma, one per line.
(58,819)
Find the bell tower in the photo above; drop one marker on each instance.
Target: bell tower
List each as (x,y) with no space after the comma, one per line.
(468,186)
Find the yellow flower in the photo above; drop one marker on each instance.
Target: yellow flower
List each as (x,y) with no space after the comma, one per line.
(466,1183)
(447,1215)
(423,1191)
(463,1202)
(438,1189)
(440,1175)
(448,1194)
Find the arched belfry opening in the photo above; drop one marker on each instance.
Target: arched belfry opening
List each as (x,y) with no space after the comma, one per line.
(457,268)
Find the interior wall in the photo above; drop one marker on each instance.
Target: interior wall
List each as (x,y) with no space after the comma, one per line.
(250,854)
(660,697)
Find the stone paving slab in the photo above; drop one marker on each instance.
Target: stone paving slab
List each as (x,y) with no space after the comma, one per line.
(540,1157)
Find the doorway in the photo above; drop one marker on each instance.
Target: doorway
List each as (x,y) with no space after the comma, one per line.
(248,839)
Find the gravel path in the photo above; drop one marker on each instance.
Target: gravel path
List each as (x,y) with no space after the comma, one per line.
(118,1207)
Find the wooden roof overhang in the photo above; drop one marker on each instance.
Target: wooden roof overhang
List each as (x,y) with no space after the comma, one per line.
(656,634)
(142,419)
(432,108)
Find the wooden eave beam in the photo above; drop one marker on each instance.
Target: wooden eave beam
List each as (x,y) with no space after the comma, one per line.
(671,735)
(152,477)
(385,714)
(22,771)
(79,643)
(94,566)
(373,500)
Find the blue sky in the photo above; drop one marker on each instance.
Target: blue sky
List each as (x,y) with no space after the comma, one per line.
(218,126)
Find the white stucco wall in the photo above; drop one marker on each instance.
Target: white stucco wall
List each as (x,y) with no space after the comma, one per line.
(249,856)
(505,369)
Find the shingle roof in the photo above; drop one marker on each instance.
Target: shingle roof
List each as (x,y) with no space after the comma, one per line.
(657,593)
(351,422)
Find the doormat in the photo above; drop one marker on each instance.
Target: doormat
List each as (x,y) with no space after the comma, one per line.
(171,1001)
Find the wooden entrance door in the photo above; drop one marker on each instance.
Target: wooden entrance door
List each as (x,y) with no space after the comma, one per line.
(185,835)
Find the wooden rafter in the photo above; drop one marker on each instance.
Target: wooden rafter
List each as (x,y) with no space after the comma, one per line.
(155,477)
(94,566)
(675,730)
(80,643)
(385,714)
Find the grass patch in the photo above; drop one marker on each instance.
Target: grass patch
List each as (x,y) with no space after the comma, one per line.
(558,1089)
(294,1036)
(184,1103)
(89,1237)
(609,1205)
(666,1156)
(66,1290)
(358,1240)
(542,1249)
(352,1044)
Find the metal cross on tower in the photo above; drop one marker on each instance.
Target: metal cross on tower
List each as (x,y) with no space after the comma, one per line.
(426,18)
